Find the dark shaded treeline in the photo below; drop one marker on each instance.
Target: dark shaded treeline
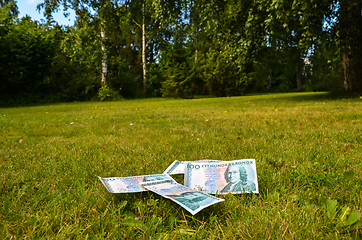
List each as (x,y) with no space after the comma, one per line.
(180,49)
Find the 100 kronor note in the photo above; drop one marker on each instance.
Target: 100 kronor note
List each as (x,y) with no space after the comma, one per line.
(238,176)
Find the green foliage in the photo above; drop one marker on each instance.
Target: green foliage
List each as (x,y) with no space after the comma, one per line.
(8,11)
(124,77)
(105,93)
(26,58)
(223,75)
(176,68)
(326,68)
(344,217)
(220,48)
(155,80)
(81,47)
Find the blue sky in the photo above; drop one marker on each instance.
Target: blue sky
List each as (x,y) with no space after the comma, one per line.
(28,7)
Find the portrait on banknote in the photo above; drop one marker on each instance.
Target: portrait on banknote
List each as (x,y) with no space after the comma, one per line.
(237,179)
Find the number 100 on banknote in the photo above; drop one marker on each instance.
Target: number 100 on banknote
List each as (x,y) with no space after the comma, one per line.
(238,176)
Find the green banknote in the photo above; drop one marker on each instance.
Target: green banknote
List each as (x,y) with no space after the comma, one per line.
(191,200)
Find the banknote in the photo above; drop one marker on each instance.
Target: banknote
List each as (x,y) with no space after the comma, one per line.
(178,167)
(130,184)
(238,176)
(190,200)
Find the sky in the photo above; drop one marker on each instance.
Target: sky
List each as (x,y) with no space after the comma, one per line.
(28,7)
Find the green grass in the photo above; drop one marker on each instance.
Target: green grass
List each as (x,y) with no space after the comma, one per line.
(307,148)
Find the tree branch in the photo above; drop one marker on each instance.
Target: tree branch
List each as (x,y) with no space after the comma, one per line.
(136,23)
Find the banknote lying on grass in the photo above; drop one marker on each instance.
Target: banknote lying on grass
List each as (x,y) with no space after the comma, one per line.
(178,167)
(191,200)
(238,176)
(130,184)
(201,178)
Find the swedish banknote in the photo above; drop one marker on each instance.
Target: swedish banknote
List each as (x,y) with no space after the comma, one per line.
(130,184)
(191,200)
(178,167)
(238,176)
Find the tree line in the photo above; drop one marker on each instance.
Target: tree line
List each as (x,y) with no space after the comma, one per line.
(180,48)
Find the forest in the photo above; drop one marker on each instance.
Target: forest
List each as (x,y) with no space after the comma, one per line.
(179,48)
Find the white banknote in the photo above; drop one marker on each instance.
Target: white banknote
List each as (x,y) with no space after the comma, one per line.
(238,176)
(130,184)
(191,200)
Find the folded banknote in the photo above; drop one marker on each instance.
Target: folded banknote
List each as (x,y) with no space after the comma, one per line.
(238,176)
(130,184)
(178,167)
(191,200)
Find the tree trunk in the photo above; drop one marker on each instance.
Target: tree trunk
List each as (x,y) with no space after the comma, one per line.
(346,70)
(105,57)
(299,66)
(144,49)
(194,18)
(350,44)
(298,77)
(270,77)
(196,43)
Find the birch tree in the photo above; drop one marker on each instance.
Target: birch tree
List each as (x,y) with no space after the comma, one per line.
(101,9)
(142,26)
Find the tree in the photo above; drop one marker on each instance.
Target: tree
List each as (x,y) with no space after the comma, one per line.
(82,47)
(102,9)
(142,26)
(304,20)
(26,57)
(350,31)
(9,7)
(144,48)
(161,23)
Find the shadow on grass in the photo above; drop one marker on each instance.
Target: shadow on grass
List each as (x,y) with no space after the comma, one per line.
(294,96)
(321,96)
(308,96)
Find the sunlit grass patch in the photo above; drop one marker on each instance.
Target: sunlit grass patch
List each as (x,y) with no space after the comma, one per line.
(307,147)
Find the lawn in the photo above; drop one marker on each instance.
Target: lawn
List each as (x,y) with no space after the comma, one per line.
(307,148)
